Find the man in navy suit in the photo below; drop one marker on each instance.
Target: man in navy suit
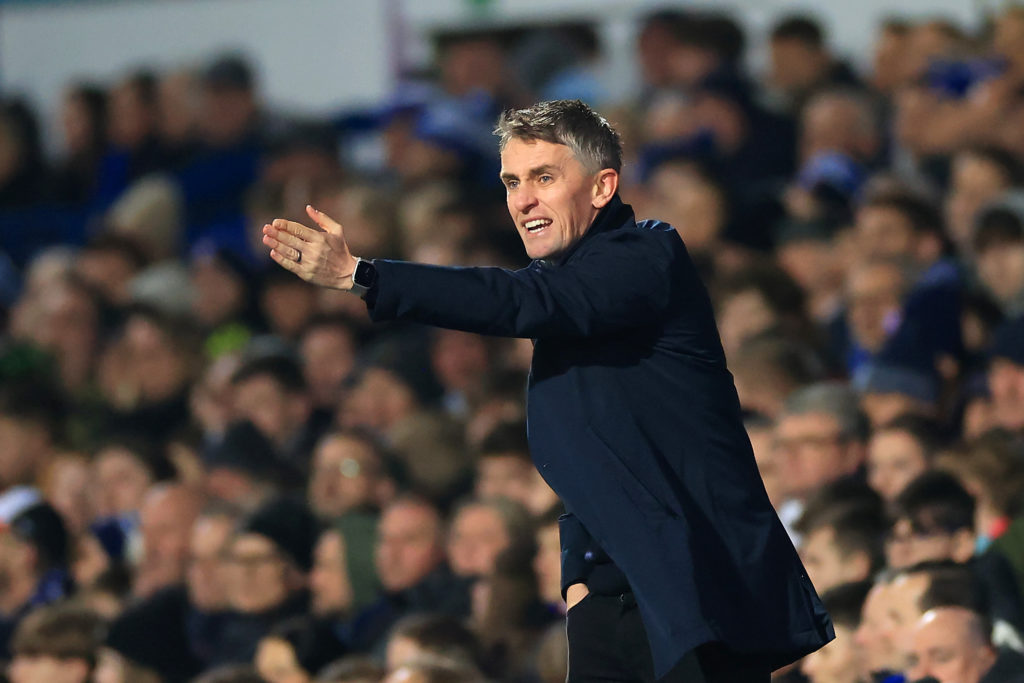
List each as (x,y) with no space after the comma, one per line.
(675,566)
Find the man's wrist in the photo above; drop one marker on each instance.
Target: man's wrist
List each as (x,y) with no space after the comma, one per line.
(363,277)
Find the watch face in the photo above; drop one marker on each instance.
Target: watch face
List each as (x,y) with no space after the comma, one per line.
(365,274)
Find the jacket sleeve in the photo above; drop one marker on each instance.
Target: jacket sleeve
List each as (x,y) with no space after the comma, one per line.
(623,279)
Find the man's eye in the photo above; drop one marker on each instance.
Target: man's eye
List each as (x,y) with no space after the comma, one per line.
(546,179)
(512,184)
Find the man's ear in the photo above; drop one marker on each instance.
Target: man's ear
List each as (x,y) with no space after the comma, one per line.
(606,184)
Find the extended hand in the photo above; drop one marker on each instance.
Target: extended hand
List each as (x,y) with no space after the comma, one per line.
(318,256)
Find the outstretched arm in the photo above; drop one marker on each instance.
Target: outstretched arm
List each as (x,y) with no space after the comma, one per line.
(320,256)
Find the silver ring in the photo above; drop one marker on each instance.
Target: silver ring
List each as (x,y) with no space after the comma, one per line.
(298,259)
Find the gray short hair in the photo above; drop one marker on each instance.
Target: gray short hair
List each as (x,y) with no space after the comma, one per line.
(834,399)
(593,141)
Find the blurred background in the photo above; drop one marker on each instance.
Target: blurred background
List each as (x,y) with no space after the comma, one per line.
(212,471)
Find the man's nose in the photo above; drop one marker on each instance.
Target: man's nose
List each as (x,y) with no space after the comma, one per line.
(524,199)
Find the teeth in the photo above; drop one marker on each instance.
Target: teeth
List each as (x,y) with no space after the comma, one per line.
(540,222)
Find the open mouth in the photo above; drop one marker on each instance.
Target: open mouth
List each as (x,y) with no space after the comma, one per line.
(536,225)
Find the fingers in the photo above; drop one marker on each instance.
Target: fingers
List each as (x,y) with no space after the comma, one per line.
(280,237)
(286,263)
(298,230)
(324,221)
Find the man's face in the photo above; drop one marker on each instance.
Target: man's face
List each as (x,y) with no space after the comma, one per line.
(207,587)
(873,294)
(329,582)
(257,576)
(264,402)
(825,564)
(1006,383)
(550,196)
(328,355)
(883,231)
(795,65)
(908,546)
(874,635)
(1001,269)
(837,662)
(894,459)
(903,608)
(944,648)
(975,182)
(478,534)
(505,476)
(343,477)
(408,546)
(811,452)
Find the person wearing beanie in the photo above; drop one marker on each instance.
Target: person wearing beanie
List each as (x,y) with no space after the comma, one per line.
(243,469)
(269,560)
(33,566)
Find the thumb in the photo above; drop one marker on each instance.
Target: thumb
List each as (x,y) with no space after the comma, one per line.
(329,225)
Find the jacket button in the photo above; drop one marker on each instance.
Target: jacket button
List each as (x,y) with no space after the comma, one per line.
(589,556)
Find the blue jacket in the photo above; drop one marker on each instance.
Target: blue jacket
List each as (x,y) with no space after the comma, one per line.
(634,421)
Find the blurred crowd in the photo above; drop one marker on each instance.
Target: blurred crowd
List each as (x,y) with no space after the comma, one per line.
(212,471)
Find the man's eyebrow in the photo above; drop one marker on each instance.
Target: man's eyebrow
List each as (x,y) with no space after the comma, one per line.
(533,172)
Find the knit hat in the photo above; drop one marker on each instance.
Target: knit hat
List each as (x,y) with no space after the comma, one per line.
(290,526)
(244,448)
(42,527)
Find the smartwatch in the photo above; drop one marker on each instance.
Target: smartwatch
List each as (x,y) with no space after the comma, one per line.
(363,277)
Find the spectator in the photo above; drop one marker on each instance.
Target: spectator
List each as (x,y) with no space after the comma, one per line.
(801,62)
(56,644)
(999,246)
(166,517)
(819,439)
(1006,376)
(328,350)
(842,543)
(33,566)
(243,469)
(271,393)
(898,452)
(270,557)
(412,570)
(979,176)
(839,122)
(343,580)
(952,644)
(480,530)
(30,420)
(934,521)
(442,637)
(503,467)
(348,474)
(206,578)
(840,661)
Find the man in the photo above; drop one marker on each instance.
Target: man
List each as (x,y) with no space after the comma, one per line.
(1006,376)
(842,543)
(951,645)
(56,644)
(348,473)
(165,522)
(633,417)
(819,439)
(480,530)
(411,567)
(841,661)
(33,566)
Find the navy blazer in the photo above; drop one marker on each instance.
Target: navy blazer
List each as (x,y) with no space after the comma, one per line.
(634,421)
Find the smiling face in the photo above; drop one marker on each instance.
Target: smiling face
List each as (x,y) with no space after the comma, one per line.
(551,197)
